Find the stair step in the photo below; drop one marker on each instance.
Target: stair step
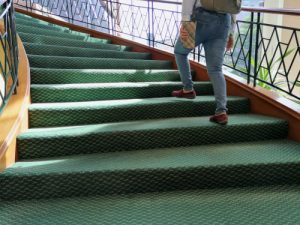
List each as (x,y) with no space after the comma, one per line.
(25,17)
(41,24)
(147,134)
(109,91)
(201,167)
(68,35)
(234,206)
(19,16)
(29,21)
(71,76)
(51,50)
(55,41)
(62,62)
(81,113)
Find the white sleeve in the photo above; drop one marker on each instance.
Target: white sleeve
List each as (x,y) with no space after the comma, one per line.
(187,9)
(233,25)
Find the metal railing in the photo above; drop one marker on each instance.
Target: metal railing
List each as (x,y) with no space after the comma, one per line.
(264,53)
(8,53)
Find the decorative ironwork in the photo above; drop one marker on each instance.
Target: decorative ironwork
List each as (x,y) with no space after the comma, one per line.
(8,53)
(260,53)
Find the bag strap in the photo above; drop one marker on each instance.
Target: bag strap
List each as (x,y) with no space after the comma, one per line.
(194,11)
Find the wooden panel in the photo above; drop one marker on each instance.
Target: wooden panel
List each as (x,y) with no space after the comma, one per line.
(14,118)
(267,103)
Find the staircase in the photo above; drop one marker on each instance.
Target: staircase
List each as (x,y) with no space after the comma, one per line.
(108,145)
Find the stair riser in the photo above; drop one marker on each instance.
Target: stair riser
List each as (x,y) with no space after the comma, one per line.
(51,118)
(42,76)
(96,63)
(113,93)
(59,34)
(40,25)
(38,31)
(147,139)
(82,52)
(32,20)
(51,41)
(143,181)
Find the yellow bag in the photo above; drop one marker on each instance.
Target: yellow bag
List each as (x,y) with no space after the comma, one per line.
(190,27)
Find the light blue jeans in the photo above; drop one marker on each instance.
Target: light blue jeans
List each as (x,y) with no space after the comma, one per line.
(212,32)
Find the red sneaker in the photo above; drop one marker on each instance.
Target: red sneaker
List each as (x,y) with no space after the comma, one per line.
(181,94)
(219,118)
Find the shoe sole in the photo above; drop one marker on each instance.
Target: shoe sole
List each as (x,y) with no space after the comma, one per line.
(185,97)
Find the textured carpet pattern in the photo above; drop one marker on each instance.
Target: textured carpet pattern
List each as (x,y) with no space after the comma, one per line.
(42,25)
(51,33)
(61,62)
(148,134)
(60,114)
(46,40)
(140,172)
(107,144)
(98,91)
(71,76)
(274,205)
(37,49)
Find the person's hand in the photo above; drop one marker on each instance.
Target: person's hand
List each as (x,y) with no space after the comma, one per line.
(230,43)
(183,34)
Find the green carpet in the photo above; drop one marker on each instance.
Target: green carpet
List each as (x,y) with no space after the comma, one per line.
(210,166)
(72,76)
(146,134)
(47,40)
(80,113)
(63,62)
(41,24)
(52,33)
(38,49)
(108,144)
(267,205)
(108,91)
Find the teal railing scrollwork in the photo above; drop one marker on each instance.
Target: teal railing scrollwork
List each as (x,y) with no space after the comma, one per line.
(8,53)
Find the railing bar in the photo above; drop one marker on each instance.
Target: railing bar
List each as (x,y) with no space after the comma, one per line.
(282,62)
(256,49)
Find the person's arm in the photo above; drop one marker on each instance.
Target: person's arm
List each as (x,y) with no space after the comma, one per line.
(187,9)
(186,14)
(233,25)
(230,41)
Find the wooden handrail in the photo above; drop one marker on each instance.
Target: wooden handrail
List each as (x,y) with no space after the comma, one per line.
(282,11)
(289,12)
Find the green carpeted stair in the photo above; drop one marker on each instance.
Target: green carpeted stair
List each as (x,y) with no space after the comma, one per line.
(107,144)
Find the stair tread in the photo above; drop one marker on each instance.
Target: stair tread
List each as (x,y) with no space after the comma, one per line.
(142,125)
(66,38)
(53,33)
(110,85)
(62,39)
(255,205)
(123,102)
(38,22)
(97,63)
(79,50)
(96,112)
(217,155)
(71,32)
(108,91)
(41,24)
(90,58)
(121,71)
